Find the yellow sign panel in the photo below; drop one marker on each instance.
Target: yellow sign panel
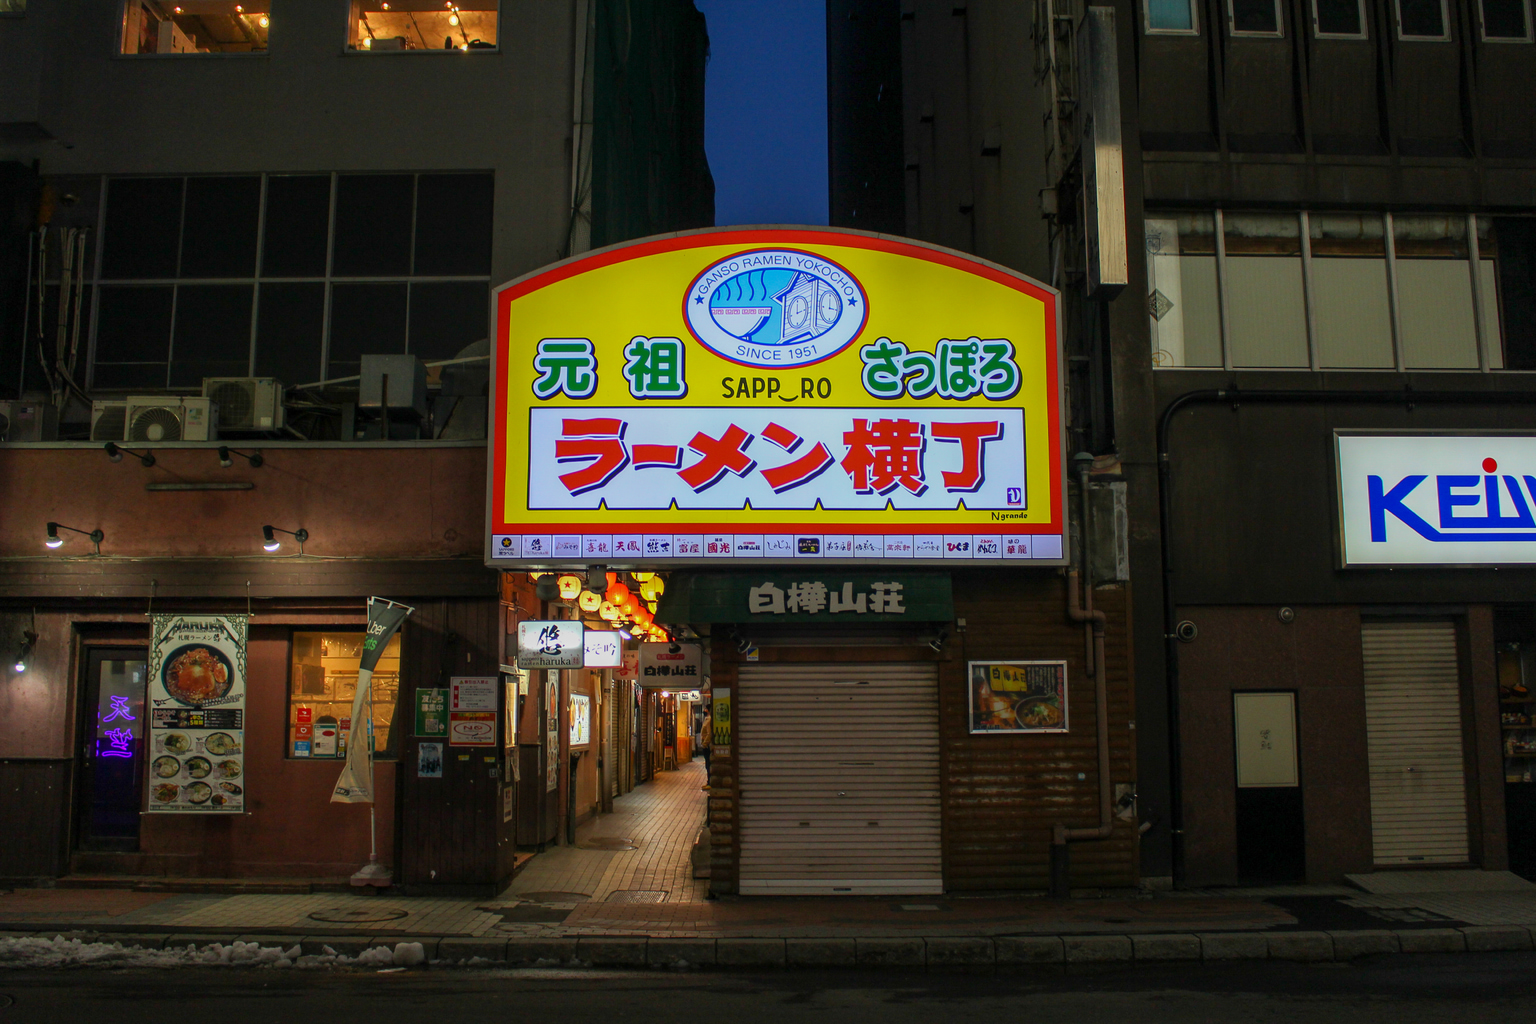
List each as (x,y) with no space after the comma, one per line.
(775,394)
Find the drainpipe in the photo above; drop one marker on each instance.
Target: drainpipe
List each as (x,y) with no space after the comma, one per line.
(1406,398)
(1093,642)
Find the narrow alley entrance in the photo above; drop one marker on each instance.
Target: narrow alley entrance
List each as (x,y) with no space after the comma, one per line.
(639,853)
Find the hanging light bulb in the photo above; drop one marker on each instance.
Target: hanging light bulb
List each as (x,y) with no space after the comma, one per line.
(265,21)
(453,19)
(589,602)
(368,43)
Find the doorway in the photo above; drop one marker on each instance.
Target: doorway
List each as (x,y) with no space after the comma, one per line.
(1271,838)
(112,749)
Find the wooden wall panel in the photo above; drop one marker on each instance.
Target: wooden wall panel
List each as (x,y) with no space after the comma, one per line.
(34,818)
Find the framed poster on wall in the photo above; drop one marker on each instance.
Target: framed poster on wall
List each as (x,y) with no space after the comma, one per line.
(1017,696)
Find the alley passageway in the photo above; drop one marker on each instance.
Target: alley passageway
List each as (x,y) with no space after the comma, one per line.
(660,819)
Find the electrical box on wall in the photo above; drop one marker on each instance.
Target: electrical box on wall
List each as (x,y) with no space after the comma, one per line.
(28,421)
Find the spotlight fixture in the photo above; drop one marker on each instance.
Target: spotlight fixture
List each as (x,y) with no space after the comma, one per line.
(55,541)
(937,643)
(254,458)
(115,452)
(265,21)
(28,641)
(271,543)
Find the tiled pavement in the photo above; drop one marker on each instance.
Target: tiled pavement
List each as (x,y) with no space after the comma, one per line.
(587,894)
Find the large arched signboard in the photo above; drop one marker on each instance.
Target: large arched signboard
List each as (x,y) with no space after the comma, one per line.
(736,396)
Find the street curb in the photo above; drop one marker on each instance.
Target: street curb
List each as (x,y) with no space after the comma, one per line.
(939,954)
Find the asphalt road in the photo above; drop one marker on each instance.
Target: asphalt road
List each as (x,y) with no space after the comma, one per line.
(1464,988)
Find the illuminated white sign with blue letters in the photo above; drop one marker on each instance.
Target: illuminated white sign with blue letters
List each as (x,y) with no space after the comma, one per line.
(1435,499)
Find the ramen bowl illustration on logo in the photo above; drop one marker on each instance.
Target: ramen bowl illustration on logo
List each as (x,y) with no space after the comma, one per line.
(195,674)
(775,308)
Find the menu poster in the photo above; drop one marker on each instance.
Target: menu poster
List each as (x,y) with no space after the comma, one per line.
(197,714)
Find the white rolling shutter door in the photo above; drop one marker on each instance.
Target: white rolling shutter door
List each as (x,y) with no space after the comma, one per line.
(839,771)
(1413,734)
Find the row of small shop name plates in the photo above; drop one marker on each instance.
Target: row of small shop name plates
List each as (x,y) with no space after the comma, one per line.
(787,545)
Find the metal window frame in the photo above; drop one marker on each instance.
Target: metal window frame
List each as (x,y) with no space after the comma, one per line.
(1445,24)
(1487,335)
(1237,33)
(1482,26)
(1365,27)
(328,279)
(1194,21)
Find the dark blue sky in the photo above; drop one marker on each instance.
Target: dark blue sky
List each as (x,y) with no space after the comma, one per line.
(765,120)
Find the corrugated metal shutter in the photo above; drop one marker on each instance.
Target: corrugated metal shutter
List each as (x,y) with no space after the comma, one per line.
(610,750)
(1413,732)
(839,775)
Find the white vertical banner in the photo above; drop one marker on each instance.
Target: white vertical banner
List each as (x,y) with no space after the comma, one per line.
(356,783)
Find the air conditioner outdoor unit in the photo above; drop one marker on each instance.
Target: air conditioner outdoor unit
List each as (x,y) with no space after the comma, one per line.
(109,420)
(156,418)
(246,403)
(28,421)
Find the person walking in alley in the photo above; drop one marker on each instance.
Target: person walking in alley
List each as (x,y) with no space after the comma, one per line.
(706,742)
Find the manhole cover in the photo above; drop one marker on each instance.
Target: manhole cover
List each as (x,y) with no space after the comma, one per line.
(549,897)
(607,843)
(358,915)
(638,896)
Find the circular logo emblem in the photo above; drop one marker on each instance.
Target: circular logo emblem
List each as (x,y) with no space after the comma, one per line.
(775,308)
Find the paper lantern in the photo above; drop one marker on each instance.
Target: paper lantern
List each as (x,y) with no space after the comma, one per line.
(589,602)
(570,586)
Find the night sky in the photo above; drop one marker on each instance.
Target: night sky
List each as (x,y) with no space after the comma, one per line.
(766,110)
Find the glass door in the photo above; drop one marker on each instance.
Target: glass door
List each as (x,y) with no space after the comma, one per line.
(112,749)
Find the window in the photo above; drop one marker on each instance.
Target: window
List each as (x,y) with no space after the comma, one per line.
(234,275)
(13,7)
(1338,19)
(393,26)
(1181,291)
(1422,20)
(1329,291)
(321,689)
(1505,21)
(168,27)
(1171,17)
(1254,17)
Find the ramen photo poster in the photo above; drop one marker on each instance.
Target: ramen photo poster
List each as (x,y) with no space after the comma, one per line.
(197,714)
(1018,696)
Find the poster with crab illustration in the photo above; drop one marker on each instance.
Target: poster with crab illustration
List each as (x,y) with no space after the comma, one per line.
(197,714)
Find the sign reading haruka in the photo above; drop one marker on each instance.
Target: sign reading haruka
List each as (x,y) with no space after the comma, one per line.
(775,394)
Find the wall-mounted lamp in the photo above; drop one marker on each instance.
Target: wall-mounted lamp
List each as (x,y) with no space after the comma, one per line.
(254,458)
(271,543)
(55,541)
(115,452)
(24,652)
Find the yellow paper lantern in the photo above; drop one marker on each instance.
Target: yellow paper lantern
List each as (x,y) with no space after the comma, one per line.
(608,611)
(641,577)
(589,602)
(570,586)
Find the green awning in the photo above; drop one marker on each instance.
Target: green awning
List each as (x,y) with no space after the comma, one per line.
(810,595)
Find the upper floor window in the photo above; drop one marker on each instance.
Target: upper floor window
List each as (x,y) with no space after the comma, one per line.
(195,26)
(1505,21)
(386,26)
(1423,20)
(1171,17)
(1254,18)
(1337,290)
(13,6)
(1338,19)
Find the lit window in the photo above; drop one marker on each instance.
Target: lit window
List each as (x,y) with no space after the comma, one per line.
(321,689)
(1181,290)
(1423,20)
(1505,21)
(1171,17)
(1254,17)
(1338,19)
(390,26)
(194,26)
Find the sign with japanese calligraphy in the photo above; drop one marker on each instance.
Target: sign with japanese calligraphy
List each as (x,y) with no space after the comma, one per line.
(775,394)
(1018,696)
(602,648)
(555,644)
(196,699)
(671,666)
(817,595)
(431,712)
